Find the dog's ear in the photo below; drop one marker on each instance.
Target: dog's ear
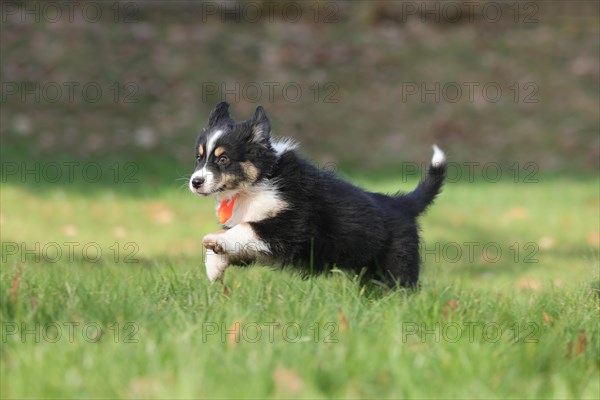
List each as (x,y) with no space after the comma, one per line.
(261,128)
(219,114)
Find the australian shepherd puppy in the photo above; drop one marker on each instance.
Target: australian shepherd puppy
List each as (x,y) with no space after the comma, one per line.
(275,207)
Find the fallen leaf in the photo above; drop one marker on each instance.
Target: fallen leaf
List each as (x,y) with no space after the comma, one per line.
(582,342)
(144,387)
(225,291)
(287,381)
(14,290)
(458,220)
(593,238)
(233,334)
(120,231)
(546,243)
(547,318)
(529,284)
(342,320)
(518,212)
(159,213)
(449,306)
(70,230)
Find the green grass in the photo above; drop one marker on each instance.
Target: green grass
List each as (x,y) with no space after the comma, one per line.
(540,295)
(475,329)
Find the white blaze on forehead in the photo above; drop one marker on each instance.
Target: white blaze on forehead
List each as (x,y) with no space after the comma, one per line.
(204,172)
(212,140)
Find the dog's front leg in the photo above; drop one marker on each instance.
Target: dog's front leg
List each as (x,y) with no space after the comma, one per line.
(239,242)
(215,265)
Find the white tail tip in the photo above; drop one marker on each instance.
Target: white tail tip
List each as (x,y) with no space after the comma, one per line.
(439,158)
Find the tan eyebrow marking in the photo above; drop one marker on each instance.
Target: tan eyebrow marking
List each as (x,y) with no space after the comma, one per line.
(219,150)
(201,150)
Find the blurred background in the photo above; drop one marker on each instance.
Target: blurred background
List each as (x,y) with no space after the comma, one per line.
(366,85)
(101,104)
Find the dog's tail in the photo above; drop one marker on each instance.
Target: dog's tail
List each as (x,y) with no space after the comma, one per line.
(431,185)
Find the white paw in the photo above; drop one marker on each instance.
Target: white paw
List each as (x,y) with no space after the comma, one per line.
(215,265)
(214,242)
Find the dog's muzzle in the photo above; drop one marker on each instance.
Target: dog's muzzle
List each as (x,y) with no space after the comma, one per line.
(197,182)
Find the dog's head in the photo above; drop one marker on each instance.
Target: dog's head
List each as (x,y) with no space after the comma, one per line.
(232,156)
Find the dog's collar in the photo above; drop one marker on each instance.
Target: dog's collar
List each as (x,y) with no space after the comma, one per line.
(226,209)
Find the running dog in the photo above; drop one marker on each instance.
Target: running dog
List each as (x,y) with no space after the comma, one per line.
(275,207)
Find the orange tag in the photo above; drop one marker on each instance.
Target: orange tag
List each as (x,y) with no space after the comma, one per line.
(226,210)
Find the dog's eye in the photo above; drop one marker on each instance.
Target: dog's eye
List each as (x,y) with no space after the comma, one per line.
(222,160)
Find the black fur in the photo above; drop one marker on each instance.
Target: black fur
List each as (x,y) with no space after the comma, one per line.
(329,222)
(245,141)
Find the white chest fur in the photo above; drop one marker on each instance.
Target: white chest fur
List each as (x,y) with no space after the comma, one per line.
(255,204)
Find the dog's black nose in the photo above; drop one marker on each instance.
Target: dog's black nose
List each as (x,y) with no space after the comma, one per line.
(197,182)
